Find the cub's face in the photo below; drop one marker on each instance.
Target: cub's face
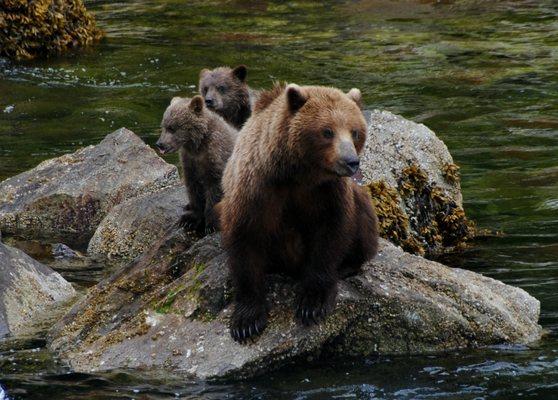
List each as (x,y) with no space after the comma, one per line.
(181,124)
(220,87)
(327,129)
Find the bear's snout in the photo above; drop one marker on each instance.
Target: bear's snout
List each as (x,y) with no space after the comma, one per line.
(348,161)
(161,147)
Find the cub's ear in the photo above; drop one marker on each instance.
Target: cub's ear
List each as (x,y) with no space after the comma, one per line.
(175,100)
(355,95)
(240,72)
(196,104)
(295,98)
(203,72)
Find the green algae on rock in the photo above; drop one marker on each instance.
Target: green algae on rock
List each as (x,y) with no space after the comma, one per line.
(43,28)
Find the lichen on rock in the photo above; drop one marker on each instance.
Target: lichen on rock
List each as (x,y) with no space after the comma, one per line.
(43,28)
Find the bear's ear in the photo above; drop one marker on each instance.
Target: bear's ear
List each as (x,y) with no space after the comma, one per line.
(355,95)
(196,104)
(295,98)
(175,100)
(203,72)
(240,72)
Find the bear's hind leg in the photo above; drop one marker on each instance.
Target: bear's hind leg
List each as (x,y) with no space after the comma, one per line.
(365,243)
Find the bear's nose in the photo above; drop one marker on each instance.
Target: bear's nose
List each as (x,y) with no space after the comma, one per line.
(209,102)
(162,148)
(353,165)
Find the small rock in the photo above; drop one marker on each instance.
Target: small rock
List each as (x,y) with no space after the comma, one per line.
(9,109)
(27,288)
(60,251)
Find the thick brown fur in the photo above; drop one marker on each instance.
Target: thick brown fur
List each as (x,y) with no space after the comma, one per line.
(226,92)
(289,203)
(205,142)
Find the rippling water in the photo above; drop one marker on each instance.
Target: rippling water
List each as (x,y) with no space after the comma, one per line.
(482,74)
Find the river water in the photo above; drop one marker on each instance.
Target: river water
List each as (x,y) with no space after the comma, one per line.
(482,74)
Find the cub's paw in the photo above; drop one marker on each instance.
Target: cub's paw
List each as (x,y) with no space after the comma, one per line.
(191,222)
(313,307)
(248,321)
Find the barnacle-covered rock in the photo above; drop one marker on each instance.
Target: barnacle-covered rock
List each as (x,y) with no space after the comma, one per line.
(42,28)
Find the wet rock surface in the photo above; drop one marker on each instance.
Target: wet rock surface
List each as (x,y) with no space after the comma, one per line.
(169,309)
(65,198)
(27,289)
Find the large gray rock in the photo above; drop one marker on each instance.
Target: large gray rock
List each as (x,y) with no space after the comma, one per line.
(404,165)
(65,198)
(395,143)
(170,308)
(133,226)
(27,288)
(414,185)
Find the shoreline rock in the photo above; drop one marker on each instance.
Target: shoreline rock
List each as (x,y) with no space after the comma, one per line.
(64,199)
(169,309)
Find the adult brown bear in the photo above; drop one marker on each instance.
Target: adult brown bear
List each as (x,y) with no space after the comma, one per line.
(290,205)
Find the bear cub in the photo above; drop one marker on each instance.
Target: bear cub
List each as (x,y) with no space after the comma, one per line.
(290,205)
(205,142)
(226,92)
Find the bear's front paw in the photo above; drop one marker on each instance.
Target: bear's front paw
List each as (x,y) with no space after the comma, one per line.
(313,307)
(248,321)
(191,222)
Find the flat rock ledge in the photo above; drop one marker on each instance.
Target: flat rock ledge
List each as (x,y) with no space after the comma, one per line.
(27,288)
(64,199)
(169,309)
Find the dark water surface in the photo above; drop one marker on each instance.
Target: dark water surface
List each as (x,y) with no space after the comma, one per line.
(482,74)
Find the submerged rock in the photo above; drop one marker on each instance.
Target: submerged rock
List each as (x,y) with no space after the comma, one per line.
(27,288)
(65,198)
(414,185)
(135,225)
(170,308)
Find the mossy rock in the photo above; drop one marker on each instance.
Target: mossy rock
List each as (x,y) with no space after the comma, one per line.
(44,28)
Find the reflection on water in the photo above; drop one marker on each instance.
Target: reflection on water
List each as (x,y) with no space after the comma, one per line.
(480,74)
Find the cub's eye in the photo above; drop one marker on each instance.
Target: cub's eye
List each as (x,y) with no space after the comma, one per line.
(328,133)
(170,129)
(221,88)
(204,91)
(356,134)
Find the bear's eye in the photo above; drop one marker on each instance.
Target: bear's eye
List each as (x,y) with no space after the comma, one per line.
(204,90)
(328,133)
(356,134)
(170,129)
(221,88)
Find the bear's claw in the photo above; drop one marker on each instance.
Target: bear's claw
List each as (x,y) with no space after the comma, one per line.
(247,322)
(311,311)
